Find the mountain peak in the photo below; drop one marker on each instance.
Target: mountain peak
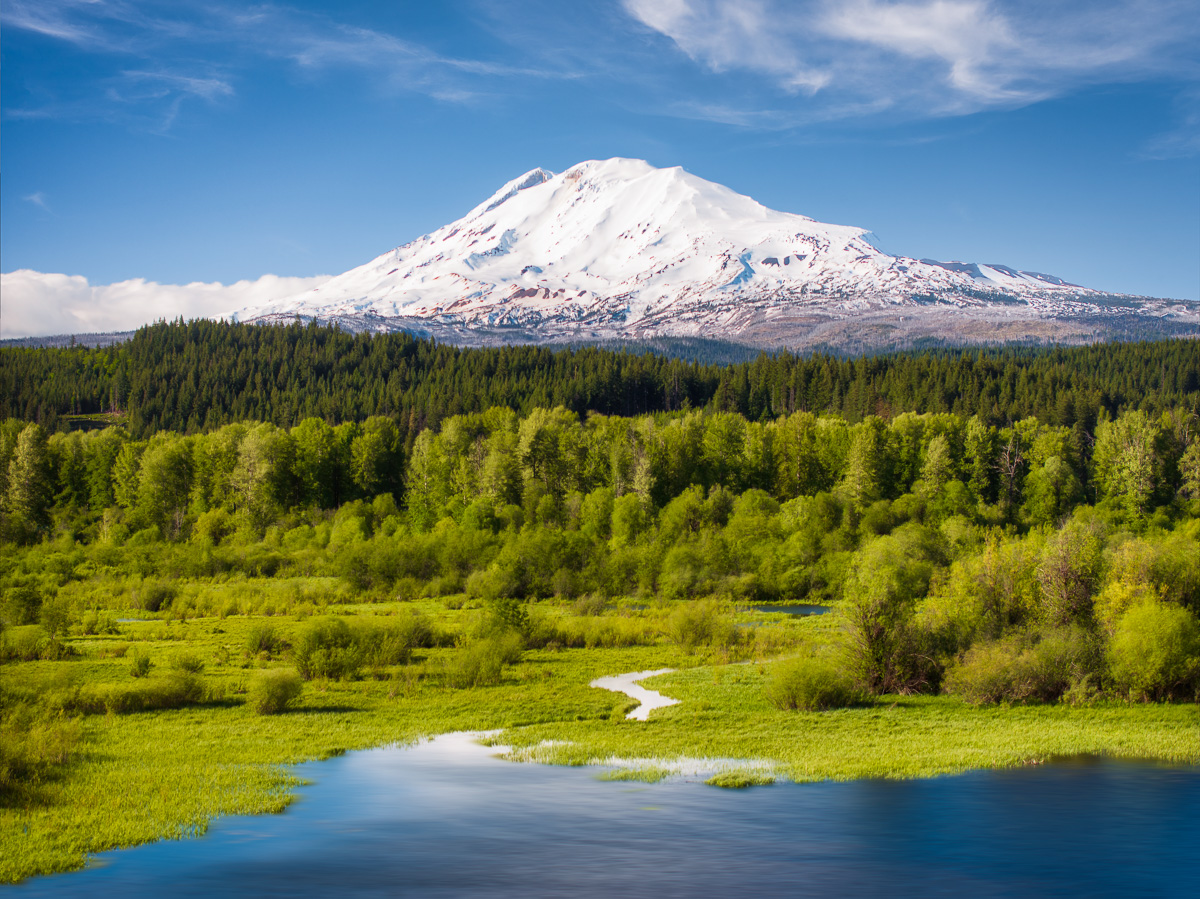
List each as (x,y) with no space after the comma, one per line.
(617,247)
(532,178)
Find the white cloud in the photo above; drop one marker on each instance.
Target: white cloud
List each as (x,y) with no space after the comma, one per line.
(966,35)
(37,304)
(198,49)
(162,84)
(932,57)
(60,20)
(38,199)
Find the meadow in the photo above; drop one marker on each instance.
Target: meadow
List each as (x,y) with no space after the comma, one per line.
(117,753)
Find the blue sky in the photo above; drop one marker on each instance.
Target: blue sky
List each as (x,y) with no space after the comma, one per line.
(187,141)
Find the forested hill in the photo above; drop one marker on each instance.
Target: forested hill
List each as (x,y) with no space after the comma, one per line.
(200,375)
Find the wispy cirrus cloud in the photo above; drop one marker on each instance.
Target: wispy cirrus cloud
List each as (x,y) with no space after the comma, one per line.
(38,304)
(161,84)
(38,199)
(929,57)
(67,20)
(768,65)
(218,41)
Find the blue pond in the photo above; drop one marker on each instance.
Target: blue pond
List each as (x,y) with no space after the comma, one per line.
(447,819)
(800,609)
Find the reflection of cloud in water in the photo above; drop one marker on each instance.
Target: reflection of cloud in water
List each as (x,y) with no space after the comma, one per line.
(446,817)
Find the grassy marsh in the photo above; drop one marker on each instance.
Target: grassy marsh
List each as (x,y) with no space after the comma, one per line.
(160,774)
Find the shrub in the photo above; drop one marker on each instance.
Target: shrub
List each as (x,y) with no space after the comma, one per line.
(605,630)
(30,644)
(327,649)
(188,662)
(392,643)
(701,623)
(55,617)
(32,745)
(176,690)
(180,688)
(1155,652)
(154,595)
(1119,597)
(1038,668)
(97,622)
(273,690)
(480,662)
(263,638)
(139,664)
(508,613)
(811,684)
(888,576)
(590,604)
(22,603)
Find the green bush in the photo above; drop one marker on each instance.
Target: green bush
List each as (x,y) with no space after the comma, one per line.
(590,604)
(392,642)
(604,630)
(1155,652)
(264,639)
(176,690)
(1036,668)
(22,603)
(327,649)
(139,664)
(480,662)
(97,622)
(273,690)
(508,613)
(188,662)
(811,684)
(55,617)
(701,623)
(155,595)
(31,643)
(33,744)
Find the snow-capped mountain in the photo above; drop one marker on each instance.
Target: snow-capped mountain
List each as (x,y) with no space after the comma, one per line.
(618,248)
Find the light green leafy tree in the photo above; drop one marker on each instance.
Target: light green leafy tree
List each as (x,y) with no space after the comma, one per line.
(164,482)
(30,489)
(1127,461)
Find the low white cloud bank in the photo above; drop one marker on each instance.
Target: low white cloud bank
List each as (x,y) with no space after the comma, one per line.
(36,304)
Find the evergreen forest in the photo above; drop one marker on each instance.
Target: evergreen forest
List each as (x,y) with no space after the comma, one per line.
(201,375)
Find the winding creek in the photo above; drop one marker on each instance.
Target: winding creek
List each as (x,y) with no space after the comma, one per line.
(628,684)
(449,817)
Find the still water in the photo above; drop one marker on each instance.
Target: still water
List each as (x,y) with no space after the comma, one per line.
(446,818)
(798,609)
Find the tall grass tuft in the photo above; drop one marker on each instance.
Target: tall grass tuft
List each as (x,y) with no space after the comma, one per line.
(273,690)
(812,684)
(480,662)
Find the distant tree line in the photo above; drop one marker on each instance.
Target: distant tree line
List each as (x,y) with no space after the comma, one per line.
(199,376)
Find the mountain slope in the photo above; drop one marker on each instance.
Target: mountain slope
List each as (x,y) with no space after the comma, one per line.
(617,248)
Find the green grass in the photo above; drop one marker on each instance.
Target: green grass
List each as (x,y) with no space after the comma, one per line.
(739,780)
(166,774)
(723,715)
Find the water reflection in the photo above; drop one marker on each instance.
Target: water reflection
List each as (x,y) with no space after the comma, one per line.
(448,819)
